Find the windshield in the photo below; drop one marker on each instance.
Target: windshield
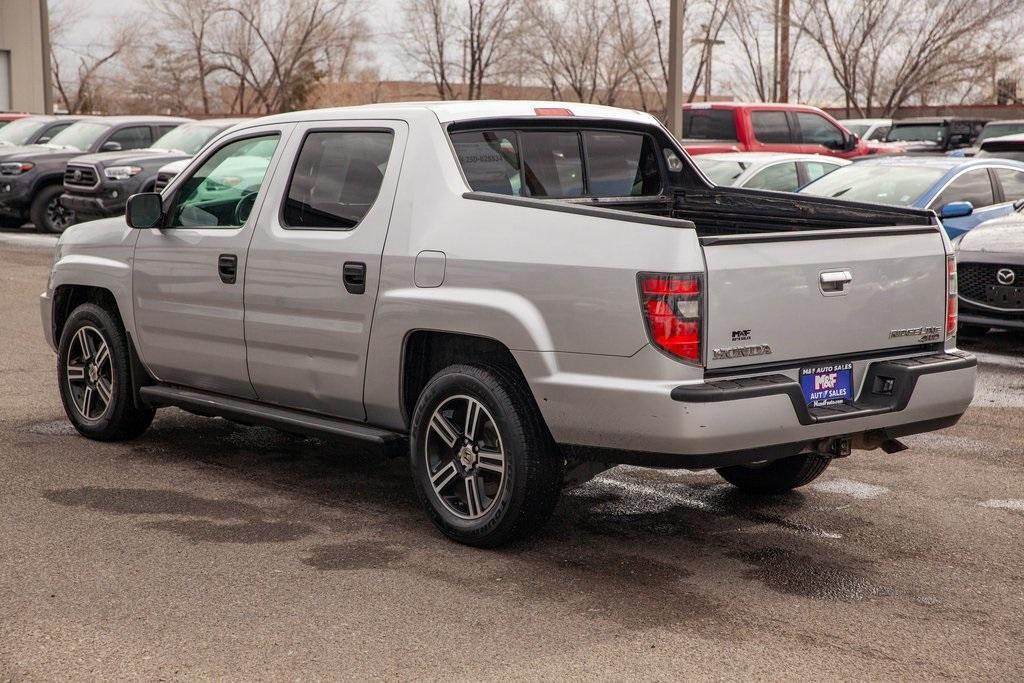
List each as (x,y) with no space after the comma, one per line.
(80,136)
(924,132)
(898,185)
(188,138)
(721,172)
(857,129)
(20,132)
(995,130)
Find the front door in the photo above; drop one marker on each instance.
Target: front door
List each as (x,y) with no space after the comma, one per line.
(188,276)
(313,267)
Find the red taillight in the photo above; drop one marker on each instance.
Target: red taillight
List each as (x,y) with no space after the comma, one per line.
(672,311)
(951,296)
(552,111)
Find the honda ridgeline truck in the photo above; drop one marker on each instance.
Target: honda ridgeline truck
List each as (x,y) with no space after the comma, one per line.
(520,294)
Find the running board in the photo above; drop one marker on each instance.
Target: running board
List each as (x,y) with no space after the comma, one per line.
(251,412)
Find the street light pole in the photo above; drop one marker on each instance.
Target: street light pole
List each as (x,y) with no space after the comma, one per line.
(674,101)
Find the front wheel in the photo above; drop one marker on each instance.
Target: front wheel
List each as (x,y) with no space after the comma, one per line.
(777,476)
(94,375)
(47,213)
(483,463)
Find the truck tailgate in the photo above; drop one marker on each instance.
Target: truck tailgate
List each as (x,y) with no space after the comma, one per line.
(774,298)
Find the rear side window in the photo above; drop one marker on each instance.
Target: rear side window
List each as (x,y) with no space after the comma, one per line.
(973,186)
(1013,183)
(771,127)
(337,178)
(559,164)
(780,177)
(709,124)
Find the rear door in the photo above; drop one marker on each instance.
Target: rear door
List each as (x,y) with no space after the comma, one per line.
(775,298)
(314,265)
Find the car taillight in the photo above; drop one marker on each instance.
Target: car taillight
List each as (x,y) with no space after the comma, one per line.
(672,312)
(951,296)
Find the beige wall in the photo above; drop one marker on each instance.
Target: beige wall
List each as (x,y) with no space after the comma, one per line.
(24,33)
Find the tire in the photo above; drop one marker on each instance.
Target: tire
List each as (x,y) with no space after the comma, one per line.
(777,476)
(11,222)
(98,396)
(511,461)
(46,212)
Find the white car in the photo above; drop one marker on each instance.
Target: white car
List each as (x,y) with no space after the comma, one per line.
(874,130)
(766,170)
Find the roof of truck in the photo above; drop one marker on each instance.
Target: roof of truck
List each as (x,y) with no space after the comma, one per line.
(451,112)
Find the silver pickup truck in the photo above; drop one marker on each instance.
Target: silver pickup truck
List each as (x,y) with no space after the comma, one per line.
(519,294)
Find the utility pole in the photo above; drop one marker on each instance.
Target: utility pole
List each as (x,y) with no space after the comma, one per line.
(784,21)
(709,46)
(674,101)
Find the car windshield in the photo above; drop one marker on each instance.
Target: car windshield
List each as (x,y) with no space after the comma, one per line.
(857,129)
(80,136)
(720,171)
(876,184)
(1015,153)
(189,138)
(919,132)
(995,130)
(19,132)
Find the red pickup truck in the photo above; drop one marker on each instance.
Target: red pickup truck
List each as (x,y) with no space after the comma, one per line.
(716,127)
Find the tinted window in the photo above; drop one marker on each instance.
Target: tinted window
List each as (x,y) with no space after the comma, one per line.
(771,127)
(973,186)
(552,165)
(621,164)
(781,177)
(816,130)
(135,137)
(490,160)
(816,169)
(222,191)
(164,130)
(1013,183)
(709,124)
(919,132)
(877,184)
(337,178)
(720,172)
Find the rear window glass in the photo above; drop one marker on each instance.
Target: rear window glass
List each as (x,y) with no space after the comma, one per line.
(771,127)
(559,164)
(709,124)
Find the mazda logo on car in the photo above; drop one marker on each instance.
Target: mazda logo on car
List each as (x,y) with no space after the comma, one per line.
(1006,276)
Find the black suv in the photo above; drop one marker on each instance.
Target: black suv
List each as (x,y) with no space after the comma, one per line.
(935,135)
(98,185)
(32,178)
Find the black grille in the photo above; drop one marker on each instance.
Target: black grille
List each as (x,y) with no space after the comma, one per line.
(162,180)
(974,279)
(76,175)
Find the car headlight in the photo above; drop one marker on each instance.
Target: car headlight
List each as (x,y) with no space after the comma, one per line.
(121,172)
(16,167)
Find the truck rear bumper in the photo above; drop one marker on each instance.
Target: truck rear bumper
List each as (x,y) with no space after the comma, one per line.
(707,424)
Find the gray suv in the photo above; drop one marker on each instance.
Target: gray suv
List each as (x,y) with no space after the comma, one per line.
(517,294)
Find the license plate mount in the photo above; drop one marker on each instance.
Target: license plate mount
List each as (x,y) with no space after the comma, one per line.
(827,384)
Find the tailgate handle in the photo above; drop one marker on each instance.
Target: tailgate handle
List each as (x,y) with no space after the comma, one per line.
(833,283)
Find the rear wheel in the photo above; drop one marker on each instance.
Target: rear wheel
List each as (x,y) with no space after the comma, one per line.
(94,374)
(484,465)
(47,213)
(776,476)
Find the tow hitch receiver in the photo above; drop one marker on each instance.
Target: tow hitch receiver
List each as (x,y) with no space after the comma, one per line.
(837,447)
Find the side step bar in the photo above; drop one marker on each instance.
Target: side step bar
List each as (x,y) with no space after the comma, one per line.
(251,412)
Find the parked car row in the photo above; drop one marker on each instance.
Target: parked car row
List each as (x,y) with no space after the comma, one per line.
(59,170)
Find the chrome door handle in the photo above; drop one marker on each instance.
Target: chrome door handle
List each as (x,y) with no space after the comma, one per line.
(834,282)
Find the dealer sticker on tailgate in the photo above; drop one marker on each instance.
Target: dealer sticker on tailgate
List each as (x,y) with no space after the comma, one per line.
(826,385)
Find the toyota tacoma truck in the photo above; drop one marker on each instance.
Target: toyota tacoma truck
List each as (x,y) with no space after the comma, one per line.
(516,294)
(98,185)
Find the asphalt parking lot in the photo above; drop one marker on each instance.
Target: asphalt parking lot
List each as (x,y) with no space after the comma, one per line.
(210,550)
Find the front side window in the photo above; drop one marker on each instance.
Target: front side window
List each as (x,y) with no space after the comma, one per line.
(337,178)
(817,130)
(559,164)
(134,137)
(222,192)
(771,127)
(973,186)
(779,177)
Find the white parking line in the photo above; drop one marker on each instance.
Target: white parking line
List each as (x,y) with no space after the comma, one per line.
(1009,504)
(849,487)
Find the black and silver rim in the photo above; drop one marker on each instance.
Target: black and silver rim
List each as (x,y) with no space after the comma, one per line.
(57,216)
(465,458)
(89,373)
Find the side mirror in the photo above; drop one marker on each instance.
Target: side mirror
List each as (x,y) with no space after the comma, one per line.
(145,210)
(956,210)
(851,142)
(111,146)
(43,140)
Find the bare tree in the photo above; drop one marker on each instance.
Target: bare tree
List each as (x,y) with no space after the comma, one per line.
(78,71)
(191,23)
(488,31)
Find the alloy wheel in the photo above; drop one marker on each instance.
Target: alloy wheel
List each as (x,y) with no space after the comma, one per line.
(59,218)
(90,373)
(465,458)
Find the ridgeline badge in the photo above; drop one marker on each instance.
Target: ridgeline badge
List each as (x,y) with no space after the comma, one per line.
(741,352)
